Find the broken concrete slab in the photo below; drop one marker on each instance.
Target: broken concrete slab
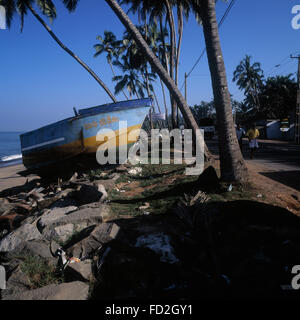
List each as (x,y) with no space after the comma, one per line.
(75,290)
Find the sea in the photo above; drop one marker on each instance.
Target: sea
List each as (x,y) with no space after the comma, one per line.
(10,149)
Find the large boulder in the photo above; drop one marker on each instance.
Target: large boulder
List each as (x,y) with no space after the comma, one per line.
(17,283)
(53,215)
(102,234)
(39,248)
(26,232)
(66,291)
(67,226)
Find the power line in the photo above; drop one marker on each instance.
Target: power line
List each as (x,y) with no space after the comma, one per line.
(280,64)
(219,25)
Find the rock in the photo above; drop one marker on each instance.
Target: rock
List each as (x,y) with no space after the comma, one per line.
(108,184)
(5,206)
(64,228)
(102,234)
(101,189)
(66,291)
(25,233)
(35,248)
(43,203)
(114,176)
(81,271)
(53,215)
(87,193)
(16,284)
(74,177)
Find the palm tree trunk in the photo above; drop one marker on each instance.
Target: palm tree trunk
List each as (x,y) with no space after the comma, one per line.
(172,58)
(165,103)
(180,34)
(164,44)
(160,70)
(84,65)
(232,164)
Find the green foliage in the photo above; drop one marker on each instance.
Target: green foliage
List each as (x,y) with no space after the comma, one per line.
(21,8)
(39,272)
(278,96)
(274,97)
(203,111)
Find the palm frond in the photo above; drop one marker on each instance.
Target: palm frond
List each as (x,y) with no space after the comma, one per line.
(70,4)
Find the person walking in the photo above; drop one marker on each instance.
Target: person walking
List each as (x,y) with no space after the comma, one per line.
(252,135)
(240,133)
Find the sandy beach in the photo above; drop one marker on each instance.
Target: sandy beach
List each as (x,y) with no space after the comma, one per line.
(9,177)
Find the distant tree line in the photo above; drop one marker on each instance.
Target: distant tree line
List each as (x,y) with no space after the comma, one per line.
(272,97)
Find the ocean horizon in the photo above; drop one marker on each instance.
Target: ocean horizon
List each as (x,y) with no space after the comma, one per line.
(10,148)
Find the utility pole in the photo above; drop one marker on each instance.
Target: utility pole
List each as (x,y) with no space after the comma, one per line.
(297,120)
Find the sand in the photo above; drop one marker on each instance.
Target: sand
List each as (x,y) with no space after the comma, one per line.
(9,177)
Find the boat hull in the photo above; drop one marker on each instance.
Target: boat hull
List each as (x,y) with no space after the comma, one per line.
(84,134)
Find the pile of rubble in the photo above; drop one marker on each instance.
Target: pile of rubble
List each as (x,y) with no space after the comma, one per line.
(63,241)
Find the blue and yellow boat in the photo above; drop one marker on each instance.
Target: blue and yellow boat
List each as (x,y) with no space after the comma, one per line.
(76,136)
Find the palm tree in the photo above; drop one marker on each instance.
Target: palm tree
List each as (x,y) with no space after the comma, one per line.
(47,8)
(110,45)
(249,78)
(158,68)
(129,79)
(232,164)
(157,9)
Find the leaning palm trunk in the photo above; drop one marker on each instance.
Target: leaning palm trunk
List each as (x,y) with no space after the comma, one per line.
(160,70)
(84,65)
(232,164)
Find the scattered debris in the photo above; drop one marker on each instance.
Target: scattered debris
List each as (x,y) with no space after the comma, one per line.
(160,244)
(135,171)
(145,206)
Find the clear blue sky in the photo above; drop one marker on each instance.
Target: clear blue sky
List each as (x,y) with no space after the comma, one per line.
(40,83)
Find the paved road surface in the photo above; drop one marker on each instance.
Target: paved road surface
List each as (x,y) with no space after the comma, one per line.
(279,160)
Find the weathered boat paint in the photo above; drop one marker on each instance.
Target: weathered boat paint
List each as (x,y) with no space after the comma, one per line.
(77,135)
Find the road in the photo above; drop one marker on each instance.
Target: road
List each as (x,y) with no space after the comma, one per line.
(278,160)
